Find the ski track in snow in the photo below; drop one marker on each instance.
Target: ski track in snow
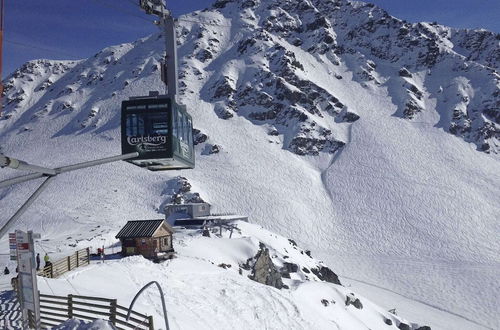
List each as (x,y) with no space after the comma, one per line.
(416,300)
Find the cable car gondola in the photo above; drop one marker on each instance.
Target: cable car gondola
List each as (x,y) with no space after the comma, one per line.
(156,126)
(160,130)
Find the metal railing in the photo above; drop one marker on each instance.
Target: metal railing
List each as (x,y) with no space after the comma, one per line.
(61,266)
(55,310)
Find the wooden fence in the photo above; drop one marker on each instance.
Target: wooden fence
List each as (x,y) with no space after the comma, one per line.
(59,267)
(55,310)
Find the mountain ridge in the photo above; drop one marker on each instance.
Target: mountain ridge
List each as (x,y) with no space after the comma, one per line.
(323,141)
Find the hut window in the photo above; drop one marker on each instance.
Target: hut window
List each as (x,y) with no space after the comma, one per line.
(128,242)
(165,241)
(143,241)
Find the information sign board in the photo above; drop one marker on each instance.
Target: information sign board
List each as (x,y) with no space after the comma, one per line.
(28,289)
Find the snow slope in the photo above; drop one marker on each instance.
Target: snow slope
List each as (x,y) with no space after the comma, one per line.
(391,199)
(199,294)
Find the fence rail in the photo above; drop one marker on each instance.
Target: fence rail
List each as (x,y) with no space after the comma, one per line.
(61,266)
(55,310)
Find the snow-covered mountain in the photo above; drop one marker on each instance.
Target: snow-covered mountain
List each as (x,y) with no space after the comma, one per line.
(207,286)
(371,141)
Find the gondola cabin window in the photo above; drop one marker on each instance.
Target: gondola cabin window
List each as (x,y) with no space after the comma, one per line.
(146,124)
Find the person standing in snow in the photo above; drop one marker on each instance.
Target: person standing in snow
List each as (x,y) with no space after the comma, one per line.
(46,259)
(6,271)
(38,261)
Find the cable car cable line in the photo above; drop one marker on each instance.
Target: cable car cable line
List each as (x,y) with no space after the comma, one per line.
(77,57)
(178,19)
(105,4)
(203,23)
(42,48)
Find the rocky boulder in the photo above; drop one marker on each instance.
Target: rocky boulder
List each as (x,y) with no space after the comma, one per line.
(326,274)
(264,271)
(352,300)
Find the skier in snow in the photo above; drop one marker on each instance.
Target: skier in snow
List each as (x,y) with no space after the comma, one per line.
(38,261)
(6,271)
(46,259)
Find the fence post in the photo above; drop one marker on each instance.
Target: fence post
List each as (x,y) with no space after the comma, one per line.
(88,256)
(150,320)
(77,259)
(51,270)
(69,263)
(70,306)
(112,317)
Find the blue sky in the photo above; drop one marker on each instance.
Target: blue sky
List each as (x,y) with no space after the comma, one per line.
(74,29)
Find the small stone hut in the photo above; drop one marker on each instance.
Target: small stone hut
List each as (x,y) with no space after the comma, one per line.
(150,238)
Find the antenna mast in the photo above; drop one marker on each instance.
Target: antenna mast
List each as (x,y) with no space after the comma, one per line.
(167,25)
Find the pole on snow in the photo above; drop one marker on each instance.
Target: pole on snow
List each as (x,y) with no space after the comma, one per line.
(162,302)
(60,170)
(21,165)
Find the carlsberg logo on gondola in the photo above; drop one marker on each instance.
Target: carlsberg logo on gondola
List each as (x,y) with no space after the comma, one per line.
(148,140)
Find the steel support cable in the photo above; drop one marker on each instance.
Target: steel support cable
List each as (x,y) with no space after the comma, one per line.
(105,4)
(42,187)
(65,277)
(25,206)
(48,50)
(20,179)
(23,166)
(65,169)
(179,19)
(44,278)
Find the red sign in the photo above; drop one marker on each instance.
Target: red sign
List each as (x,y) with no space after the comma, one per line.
(23,246)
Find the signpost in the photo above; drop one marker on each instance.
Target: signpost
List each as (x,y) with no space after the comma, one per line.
(27,285)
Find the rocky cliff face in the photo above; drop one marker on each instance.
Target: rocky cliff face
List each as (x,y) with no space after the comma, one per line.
(416,62)
(261,67)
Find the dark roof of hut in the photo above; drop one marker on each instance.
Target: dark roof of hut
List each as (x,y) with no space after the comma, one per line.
(139,228)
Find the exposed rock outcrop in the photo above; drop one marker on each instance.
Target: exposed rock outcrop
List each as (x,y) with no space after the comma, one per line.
(264,271)
(352,300)
(326,274)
